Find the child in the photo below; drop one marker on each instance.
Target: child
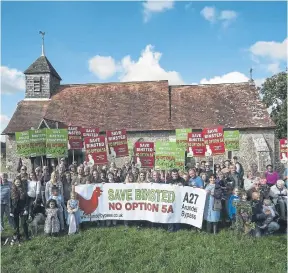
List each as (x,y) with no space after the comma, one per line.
(73,220)
(19,207)
(52,224)
(234,198)
(60,204)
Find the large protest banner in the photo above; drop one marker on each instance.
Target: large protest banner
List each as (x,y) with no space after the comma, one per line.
(117,143)
(181,137)
(214,141)
(75,138)
(89,132)
(56,143)
(231,139)
(283,150)
(196,146)
(144,154)
(158,203)
(37,142)
(165,155)
(23,143)
(96,153)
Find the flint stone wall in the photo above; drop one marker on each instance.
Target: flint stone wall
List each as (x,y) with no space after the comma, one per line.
(258,147)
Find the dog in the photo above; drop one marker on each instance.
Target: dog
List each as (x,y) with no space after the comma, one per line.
(37,220)
(37,224)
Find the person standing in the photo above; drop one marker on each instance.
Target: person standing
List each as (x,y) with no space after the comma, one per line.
(233,179)
(195,181)
(212,214)
(19,207)
(175,180)
(208,172)
(271,175)
(239,168)
(5,200)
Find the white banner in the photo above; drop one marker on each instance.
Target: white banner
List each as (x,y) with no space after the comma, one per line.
(158,203)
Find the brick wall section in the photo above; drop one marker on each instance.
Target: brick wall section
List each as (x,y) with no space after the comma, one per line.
(247,154)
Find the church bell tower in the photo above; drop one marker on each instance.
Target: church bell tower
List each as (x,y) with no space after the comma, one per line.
(41,78)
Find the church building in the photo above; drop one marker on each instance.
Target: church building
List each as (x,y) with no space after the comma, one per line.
(148,110)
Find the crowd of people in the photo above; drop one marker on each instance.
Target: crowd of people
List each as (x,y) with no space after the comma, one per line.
(251,203)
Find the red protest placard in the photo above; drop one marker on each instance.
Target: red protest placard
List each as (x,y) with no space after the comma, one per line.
(96,153)
(117,143)
(196,146)
(89,132)
(214,141)
(144,154)
(283,149)
(75,138)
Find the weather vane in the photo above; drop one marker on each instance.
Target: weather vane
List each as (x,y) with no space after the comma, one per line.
(43,34)
(251,70)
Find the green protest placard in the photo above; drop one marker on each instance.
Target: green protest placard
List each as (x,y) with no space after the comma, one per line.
(23,143)
(56,143)
(130,148)
(182,138)
(165,155)
(180,159)
(231,139)
(37,142)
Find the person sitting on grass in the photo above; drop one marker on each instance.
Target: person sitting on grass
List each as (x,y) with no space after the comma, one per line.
(278,193)
(52,223)
(259,216)
(269,225)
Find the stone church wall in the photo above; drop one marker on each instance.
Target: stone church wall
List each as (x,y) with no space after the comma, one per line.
(249,154)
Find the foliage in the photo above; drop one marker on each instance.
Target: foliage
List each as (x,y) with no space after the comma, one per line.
(244,217)
(148,250)
(274,91)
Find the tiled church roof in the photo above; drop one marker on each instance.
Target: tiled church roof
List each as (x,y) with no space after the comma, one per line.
(145,106)
(235,105)
(28,114)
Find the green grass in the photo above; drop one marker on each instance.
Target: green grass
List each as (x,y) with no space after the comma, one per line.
(148,250)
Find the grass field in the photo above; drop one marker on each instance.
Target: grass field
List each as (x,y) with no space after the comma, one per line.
(147,250)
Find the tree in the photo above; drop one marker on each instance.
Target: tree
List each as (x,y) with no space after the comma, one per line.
(274,91)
